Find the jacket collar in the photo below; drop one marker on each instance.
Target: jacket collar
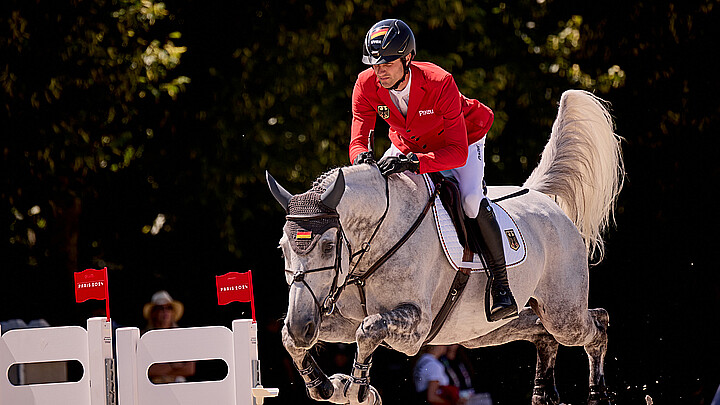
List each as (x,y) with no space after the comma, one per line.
(417,93)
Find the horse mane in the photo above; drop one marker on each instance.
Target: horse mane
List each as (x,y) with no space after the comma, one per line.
(323,181)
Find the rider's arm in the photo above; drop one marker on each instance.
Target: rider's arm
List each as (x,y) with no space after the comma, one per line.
(363,120)
(455,151)
(478,119)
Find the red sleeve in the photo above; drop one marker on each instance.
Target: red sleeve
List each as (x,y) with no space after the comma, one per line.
(478,118)
(363,120)
(455,152)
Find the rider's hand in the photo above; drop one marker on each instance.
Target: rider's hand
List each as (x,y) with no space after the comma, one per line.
(364,157)
(398,164)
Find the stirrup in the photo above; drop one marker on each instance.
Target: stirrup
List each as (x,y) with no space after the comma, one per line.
(501,313)
(504,310)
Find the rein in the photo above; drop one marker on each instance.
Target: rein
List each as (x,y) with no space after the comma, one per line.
(328,305)
(360,280)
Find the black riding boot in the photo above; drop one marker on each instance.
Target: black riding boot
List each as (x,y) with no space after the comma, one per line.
(504,305)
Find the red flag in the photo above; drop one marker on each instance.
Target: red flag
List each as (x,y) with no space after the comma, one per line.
(235,286)
(92,284)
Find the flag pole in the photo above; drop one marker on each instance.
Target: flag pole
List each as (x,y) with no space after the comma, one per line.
(107,296)
(252,296)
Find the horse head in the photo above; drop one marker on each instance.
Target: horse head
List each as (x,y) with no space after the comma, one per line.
(316,254)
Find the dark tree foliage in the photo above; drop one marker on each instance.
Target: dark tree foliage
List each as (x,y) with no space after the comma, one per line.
(135,134)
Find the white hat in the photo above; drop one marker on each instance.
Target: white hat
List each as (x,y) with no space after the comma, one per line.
(163,298)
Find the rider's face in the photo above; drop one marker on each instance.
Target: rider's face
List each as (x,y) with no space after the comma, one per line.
(390,73)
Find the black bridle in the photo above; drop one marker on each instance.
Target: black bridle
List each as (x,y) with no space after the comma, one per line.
(328,305)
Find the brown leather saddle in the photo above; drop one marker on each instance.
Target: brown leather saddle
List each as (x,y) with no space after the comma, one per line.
(451,200)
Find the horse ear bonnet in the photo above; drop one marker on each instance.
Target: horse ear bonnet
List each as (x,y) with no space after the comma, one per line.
(304,234)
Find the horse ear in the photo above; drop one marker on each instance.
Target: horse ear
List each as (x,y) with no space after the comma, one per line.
(281,195)
(331,196)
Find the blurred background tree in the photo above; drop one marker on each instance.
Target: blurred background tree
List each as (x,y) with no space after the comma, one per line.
(136,133)
(84,84)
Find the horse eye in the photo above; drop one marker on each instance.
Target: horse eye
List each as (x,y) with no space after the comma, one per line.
(328,247)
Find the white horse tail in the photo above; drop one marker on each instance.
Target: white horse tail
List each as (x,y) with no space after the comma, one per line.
(582,166)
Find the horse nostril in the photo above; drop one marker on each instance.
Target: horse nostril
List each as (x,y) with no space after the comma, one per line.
(309,330)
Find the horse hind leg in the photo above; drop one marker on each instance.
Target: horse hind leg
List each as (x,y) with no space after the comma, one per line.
(545,391)
(527,326)
(581,327)
(596,350)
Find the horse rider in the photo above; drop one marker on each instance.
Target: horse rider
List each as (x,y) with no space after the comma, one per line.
(433,128)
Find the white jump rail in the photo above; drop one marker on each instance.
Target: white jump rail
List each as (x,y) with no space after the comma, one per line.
(237,348)
(89,347)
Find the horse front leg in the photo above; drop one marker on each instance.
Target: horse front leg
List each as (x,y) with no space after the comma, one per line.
(317,384)
(397,326)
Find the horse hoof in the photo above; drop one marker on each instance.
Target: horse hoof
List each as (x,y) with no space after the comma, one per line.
(358,393)
(544,392)
(346,392)
(338,381)
(544,400)
(600,395)
(373,397)
(322,390)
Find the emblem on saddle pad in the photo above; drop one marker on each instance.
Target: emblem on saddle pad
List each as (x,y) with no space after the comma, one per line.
(383,112)
(512,239)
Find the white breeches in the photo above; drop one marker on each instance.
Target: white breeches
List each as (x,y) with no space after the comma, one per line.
(470,177)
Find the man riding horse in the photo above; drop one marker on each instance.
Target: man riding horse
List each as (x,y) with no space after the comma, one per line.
(433,128)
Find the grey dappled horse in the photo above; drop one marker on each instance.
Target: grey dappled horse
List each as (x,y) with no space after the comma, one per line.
(570,202)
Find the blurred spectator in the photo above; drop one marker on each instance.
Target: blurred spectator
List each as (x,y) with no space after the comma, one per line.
(459,370)
(163,312)
(432,382)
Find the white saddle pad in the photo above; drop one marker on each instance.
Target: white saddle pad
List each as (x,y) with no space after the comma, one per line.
(513,242)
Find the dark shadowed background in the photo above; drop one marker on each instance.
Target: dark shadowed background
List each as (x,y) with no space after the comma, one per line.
(135,135)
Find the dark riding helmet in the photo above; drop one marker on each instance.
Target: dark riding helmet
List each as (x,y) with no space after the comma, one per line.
(386,41)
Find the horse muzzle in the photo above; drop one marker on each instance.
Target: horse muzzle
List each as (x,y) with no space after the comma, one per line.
(303,330)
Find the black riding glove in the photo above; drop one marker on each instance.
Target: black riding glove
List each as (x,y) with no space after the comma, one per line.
(364,157)
(398,164)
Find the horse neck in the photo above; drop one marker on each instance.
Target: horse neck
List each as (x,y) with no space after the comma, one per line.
(365,201)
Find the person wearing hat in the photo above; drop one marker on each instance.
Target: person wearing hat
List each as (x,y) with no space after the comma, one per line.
(433,128)
(163,312)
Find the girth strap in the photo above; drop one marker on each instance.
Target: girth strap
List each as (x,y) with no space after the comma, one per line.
(457,287)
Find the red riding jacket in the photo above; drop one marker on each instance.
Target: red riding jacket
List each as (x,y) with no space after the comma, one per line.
(440,123)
